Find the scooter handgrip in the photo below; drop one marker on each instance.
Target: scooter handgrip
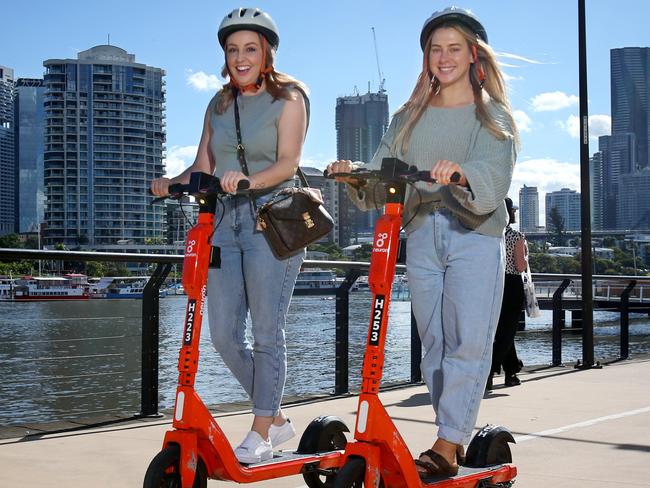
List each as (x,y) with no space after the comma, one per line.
(455,178)
(175,188)
(243,184)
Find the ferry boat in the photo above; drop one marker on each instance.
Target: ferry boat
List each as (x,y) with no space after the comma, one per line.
(67,287)
(7,286)
(314,281)
(118,287)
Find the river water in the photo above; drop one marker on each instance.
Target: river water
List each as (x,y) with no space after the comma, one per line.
(71,360)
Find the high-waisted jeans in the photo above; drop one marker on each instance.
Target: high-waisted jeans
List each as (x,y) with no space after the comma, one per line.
(250,278)
(456,281)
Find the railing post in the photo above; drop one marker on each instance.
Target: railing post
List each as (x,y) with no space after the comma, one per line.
(625,320)
(342,335)
(558,322)
(416,351)
(150,326)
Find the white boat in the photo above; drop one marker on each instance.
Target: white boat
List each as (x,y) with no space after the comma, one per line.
(7,287)
(118,286)
(315,280)
(66,287)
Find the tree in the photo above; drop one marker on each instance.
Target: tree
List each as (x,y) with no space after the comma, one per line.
(11,241)
(555,228)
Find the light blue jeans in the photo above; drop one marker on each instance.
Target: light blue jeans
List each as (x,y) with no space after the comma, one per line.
(251,279)
(456,280)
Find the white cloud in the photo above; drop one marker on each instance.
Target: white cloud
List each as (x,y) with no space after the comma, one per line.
(522,120)
(551,101)
(201,81)
(571,126)
(517,57)
(178,159)
(547,175)
(599,125)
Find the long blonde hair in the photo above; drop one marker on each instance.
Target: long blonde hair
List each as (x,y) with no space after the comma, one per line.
(278,84)
(424,91)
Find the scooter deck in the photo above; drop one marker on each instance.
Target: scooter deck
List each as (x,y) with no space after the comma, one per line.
(284,456)
(472,476)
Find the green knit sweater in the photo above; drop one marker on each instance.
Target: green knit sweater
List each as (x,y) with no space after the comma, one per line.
(456,135)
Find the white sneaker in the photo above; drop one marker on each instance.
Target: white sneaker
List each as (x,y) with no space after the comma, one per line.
(281,433)
(253,449)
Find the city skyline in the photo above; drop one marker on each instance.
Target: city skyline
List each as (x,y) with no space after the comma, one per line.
(539,60)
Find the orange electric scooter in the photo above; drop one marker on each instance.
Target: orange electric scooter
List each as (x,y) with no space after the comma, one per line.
(379,457)
(196,448)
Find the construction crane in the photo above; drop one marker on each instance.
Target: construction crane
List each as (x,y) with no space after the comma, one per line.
(381,76)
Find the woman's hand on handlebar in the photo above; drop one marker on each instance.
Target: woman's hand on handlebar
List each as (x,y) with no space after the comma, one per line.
(342,166)
(160,187)
(443,170)
(230,179)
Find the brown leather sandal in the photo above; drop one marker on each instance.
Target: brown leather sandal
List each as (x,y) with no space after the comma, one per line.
(438,466)
(460,454)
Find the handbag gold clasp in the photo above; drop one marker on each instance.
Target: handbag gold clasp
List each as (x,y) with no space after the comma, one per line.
(309,222)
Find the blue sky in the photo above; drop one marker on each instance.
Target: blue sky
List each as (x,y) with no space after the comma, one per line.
(329,46)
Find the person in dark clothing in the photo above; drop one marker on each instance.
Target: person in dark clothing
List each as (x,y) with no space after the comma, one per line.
(504,353)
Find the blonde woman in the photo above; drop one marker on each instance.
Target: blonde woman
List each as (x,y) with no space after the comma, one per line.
(457,119)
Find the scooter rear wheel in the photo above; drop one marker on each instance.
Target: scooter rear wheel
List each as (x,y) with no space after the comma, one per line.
(323,434)
(163,471)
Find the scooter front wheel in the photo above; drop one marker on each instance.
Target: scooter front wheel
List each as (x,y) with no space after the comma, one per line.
(352,474)
(163,471)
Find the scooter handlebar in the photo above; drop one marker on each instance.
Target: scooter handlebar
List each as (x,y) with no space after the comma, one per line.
(412,176)
(202,183)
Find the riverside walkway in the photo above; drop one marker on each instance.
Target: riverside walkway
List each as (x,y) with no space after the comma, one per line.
(574,429)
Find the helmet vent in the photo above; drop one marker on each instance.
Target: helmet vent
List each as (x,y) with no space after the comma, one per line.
(242,12)
(256,14)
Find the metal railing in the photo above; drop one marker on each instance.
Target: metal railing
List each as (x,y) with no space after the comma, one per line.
(151,322)
(559,289)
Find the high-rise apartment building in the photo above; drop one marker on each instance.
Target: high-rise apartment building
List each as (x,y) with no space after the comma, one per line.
(630,81)
(181,216)
(619,158)
(104,141)
(596,189)
(528,209)
(633,210)
(7,154)
(361,121)
(29,111)
(567,203)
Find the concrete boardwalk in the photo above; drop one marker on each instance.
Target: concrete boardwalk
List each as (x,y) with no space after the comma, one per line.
(574,429)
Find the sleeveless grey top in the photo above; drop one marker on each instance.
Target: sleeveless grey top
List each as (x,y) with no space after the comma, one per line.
(259,117)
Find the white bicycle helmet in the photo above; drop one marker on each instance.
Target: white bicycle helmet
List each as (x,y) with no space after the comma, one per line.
(454,14)
(252,19)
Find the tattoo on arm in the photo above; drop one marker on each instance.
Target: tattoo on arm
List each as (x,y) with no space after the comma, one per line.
(259,185)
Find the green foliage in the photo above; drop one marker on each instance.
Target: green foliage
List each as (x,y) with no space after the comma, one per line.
(11,241)
(555,228)
(363,253)
(95,269)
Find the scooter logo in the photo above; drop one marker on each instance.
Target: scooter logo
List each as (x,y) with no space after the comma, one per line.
(380,242)
(189,322)
(377,318)
(189,249)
